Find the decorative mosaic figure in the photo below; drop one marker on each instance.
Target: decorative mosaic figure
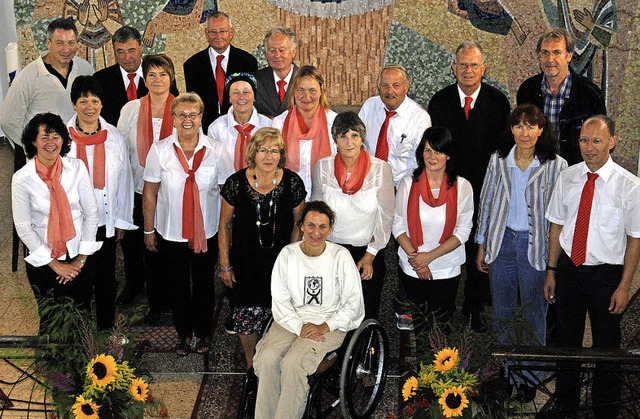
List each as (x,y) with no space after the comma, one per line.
(490,16)
(174,16)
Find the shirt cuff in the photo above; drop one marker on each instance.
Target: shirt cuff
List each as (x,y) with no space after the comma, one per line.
(89,248)
(40,257)
(124,225)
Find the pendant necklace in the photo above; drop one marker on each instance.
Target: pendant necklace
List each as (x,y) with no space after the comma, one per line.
(273,209)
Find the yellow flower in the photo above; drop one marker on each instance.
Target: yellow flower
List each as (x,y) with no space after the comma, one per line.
(409,388)
(139,389)
(85,409)
(446,359)
(453,402)
(102,370)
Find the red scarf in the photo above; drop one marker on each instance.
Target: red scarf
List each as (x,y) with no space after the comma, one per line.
(144,134)
(192,221)
(421,189)
(358,173)
(295,129)
(99,157)
(244,135)
(60,228)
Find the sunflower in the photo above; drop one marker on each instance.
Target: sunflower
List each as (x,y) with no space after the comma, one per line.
(85,409)
(409,388)
(102,370)
(453,401)
(139,390)
(446,359)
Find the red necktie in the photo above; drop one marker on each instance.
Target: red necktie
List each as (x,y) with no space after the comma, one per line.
(382,146)
(220,79)
(581,232)
(467,106)
(244,135)
(281,91)
(131,89)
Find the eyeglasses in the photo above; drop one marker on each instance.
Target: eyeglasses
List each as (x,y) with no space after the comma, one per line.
(182,116)
(472,66)
(265,151)
(555,53)
(214,32)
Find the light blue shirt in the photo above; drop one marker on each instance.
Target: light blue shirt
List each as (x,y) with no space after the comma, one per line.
(518,218)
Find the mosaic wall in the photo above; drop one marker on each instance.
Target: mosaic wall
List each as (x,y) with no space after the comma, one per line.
(350,40)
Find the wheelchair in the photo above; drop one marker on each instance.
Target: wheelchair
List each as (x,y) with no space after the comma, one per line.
(352,377)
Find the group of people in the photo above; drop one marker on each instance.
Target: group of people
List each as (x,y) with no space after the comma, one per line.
(125,159)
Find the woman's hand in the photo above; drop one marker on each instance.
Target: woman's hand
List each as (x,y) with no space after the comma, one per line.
(119,234)
(228,278)
(314,331)
(365,266)
(151,242)
(419,260)
(480,263)
(424,273)
(66,271)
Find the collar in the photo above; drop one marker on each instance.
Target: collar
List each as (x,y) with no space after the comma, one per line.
(565,86)
(42,68)
(511,160)
(286,79)
(474,96)
(203,141)
(125,74)
(253,120)
(604,172)
(213,55)
(401,110)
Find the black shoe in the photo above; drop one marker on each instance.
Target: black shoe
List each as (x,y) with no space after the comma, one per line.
(126,296)
(152,318)
(525,393)
(228,326)
(477,324)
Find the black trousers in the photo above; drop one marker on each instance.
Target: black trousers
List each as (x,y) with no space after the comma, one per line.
(192,277)
(371,288)
(43,282)
(105,286)
(477,290)
(582,290)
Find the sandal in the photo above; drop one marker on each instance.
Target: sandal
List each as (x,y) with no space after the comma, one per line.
(183,347)
(203,346)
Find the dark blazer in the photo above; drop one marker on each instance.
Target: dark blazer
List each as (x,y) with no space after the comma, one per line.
(477,138)
(115,94)
(585,100)
(267,101)
(199,78)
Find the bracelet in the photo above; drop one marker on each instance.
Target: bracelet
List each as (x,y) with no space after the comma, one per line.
(149,232)
(82,261)
(551,268)
(226,268)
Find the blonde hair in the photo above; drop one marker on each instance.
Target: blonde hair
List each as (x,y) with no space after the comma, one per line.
(261,137)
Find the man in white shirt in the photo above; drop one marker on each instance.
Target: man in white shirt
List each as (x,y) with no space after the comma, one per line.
(594,248)
(403,119)
(281,47)
(44,85)
(205,72)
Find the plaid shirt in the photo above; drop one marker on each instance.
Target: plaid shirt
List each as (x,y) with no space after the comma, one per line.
(553,103)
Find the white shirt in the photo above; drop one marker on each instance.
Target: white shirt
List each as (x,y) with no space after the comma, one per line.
(31,206)
(305,148)
(287,79)
(433,220)
(364,218)
(35,91)
(474,96)
(403,136)
(223,129)
(115,201)
(213,59)
(615,212)
(324,288)
(164,167)
(136,79)
(128,126)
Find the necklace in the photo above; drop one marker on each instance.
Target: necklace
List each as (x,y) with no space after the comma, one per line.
(85,132)
(271,219)
(255,179)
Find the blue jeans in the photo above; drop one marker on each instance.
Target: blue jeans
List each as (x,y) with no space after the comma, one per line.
(511,275)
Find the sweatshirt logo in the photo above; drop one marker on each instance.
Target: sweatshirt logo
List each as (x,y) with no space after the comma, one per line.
(313,290)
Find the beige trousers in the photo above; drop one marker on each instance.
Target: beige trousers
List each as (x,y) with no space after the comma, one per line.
(282,362)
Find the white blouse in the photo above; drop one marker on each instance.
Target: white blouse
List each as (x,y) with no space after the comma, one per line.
(305,148)
(128,126)
(364,218)
(115,201)
(433,219)
(223,129)
(164,167)
(31,206)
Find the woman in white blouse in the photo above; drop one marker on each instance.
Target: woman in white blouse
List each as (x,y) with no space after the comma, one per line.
(359,188)
(306,126)
(103,150)
(55,214)
(143,122)
(235,129)
(432,219)
(181,207)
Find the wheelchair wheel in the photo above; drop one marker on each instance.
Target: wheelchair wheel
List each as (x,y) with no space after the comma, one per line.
(364,372)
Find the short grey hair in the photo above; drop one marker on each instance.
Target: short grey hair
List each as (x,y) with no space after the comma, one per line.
(216,15)
(396,67)
(469,45)
(283,31)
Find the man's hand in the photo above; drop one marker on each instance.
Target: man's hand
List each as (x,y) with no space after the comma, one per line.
(549,287)
(619,300)
(314,331)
